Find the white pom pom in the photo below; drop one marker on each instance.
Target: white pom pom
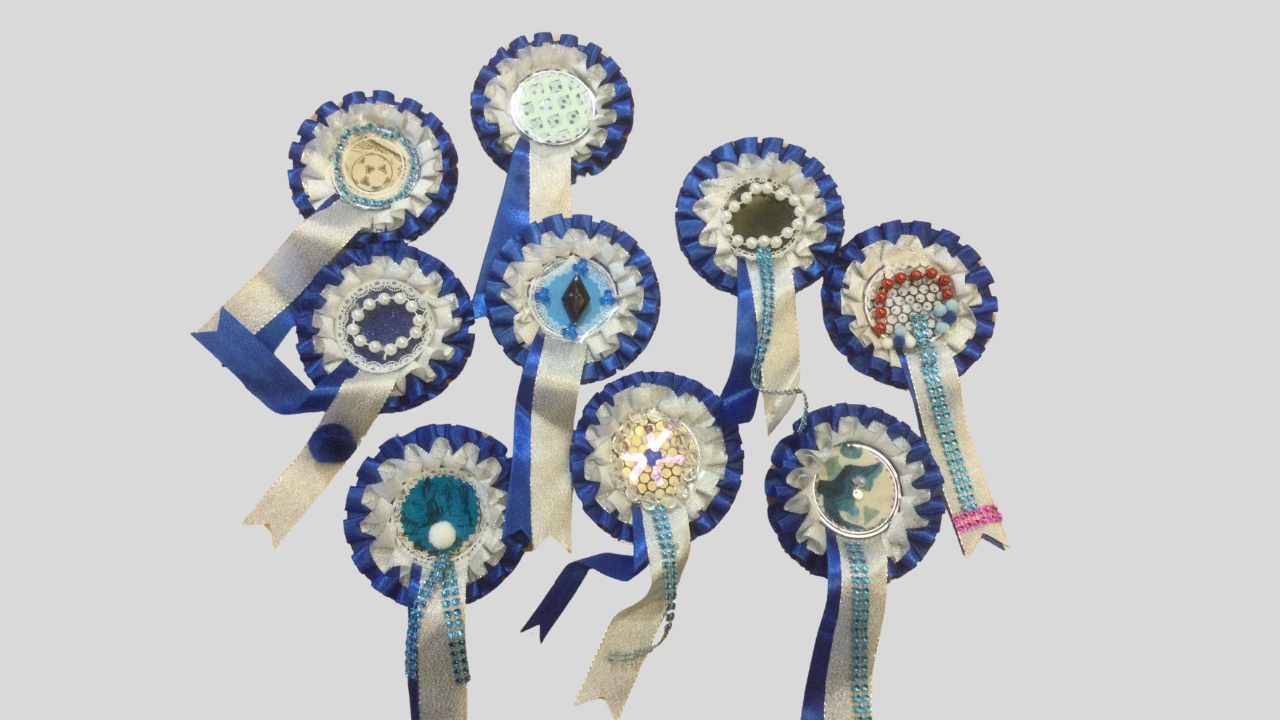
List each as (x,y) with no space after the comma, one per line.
(442,535)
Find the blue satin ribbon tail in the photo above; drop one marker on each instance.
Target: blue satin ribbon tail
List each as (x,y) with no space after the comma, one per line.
(519,521)
(512,217)
(815,689)
(739,395)
(612,565)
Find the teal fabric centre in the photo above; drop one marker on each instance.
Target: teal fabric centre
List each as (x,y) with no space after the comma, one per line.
(443,498)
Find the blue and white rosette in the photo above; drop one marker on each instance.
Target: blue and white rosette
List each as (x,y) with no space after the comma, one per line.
(367,164)
(383,328)
(571,301)
(856,498)
(655,464)
(912,307)
(425,525)
(548,112)
(765,211)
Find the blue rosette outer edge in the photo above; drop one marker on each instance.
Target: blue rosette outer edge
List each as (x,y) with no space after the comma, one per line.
(502,316)
(413,226)
(610,521)
(689,226)
(417,391)
(784,461)
(621,104)
(388,583)
(862,357)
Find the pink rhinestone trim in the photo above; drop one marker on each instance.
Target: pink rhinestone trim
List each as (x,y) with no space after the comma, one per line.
(976,519)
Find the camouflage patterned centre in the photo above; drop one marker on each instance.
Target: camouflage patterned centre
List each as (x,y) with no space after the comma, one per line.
(857,491)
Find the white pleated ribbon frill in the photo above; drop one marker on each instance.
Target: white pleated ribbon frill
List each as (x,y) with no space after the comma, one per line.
(360,398)
(536,58)
(781,369)
(559,372)
(973,510)
(317,160)
(615,492)
(331,326)
(440,695)
(320,237)
(391,549)
(630,636)
(907,252)
(863,561)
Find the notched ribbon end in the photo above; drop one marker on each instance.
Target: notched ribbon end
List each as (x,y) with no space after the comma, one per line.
(993,533)
(278,530)
(615,708)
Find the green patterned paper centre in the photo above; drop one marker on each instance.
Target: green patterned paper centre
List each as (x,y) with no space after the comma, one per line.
(856,490)
(443,498)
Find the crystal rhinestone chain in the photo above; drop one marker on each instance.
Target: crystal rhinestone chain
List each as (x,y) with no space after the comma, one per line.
(861,579)
(444,574)
(950,444)
(670,579)
(764,261)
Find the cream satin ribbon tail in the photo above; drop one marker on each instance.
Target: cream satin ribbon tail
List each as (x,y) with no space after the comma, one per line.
(440,696)
(552,415)
(308,249)
(355,407)
(781,369)
(989,525)
(863,580)
(550,180)
(629,638)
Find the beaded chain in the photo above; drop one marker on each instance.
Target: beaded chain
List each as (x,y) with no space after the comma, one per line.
(444,573)
(971,515)
(764,261)
(861,617)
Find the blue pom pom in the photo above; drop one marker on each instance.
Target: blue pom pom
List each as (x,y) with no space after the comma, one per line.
(332,443)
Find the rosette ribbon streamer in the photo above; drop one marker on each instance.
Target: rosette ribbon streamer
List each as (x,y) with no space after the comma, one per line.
(571,301)
(368,164)
(856,498)
(425,526)
(764,212)
(912,307)
(383,328)
(653,464)
(547,112)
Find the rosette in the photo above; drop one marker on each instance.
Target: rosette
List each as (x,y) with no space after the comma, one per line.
(425,525)
(912,307)
(855,497)
(765,211)
(572,301)
(655,464)
(547,112)
(368,164)
(383,328)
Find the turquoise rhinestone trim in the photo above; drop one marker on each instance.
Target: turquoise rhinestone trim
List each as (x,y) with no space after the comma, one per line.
(670,566)
(443,573)
(764,333)
(942,414)
(340,182)
(861,578)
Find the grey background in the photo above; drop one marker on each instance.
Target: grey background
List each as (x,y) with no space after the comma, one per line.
(1114,163)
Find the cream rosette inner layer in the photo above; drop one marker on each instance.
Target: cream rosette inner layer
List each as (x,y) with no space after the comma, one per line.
(813,529)
(685,422)
(372,170)
(392,549)
(533,70)
(523,277)
(766,180)
(882,261)
(381,283)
